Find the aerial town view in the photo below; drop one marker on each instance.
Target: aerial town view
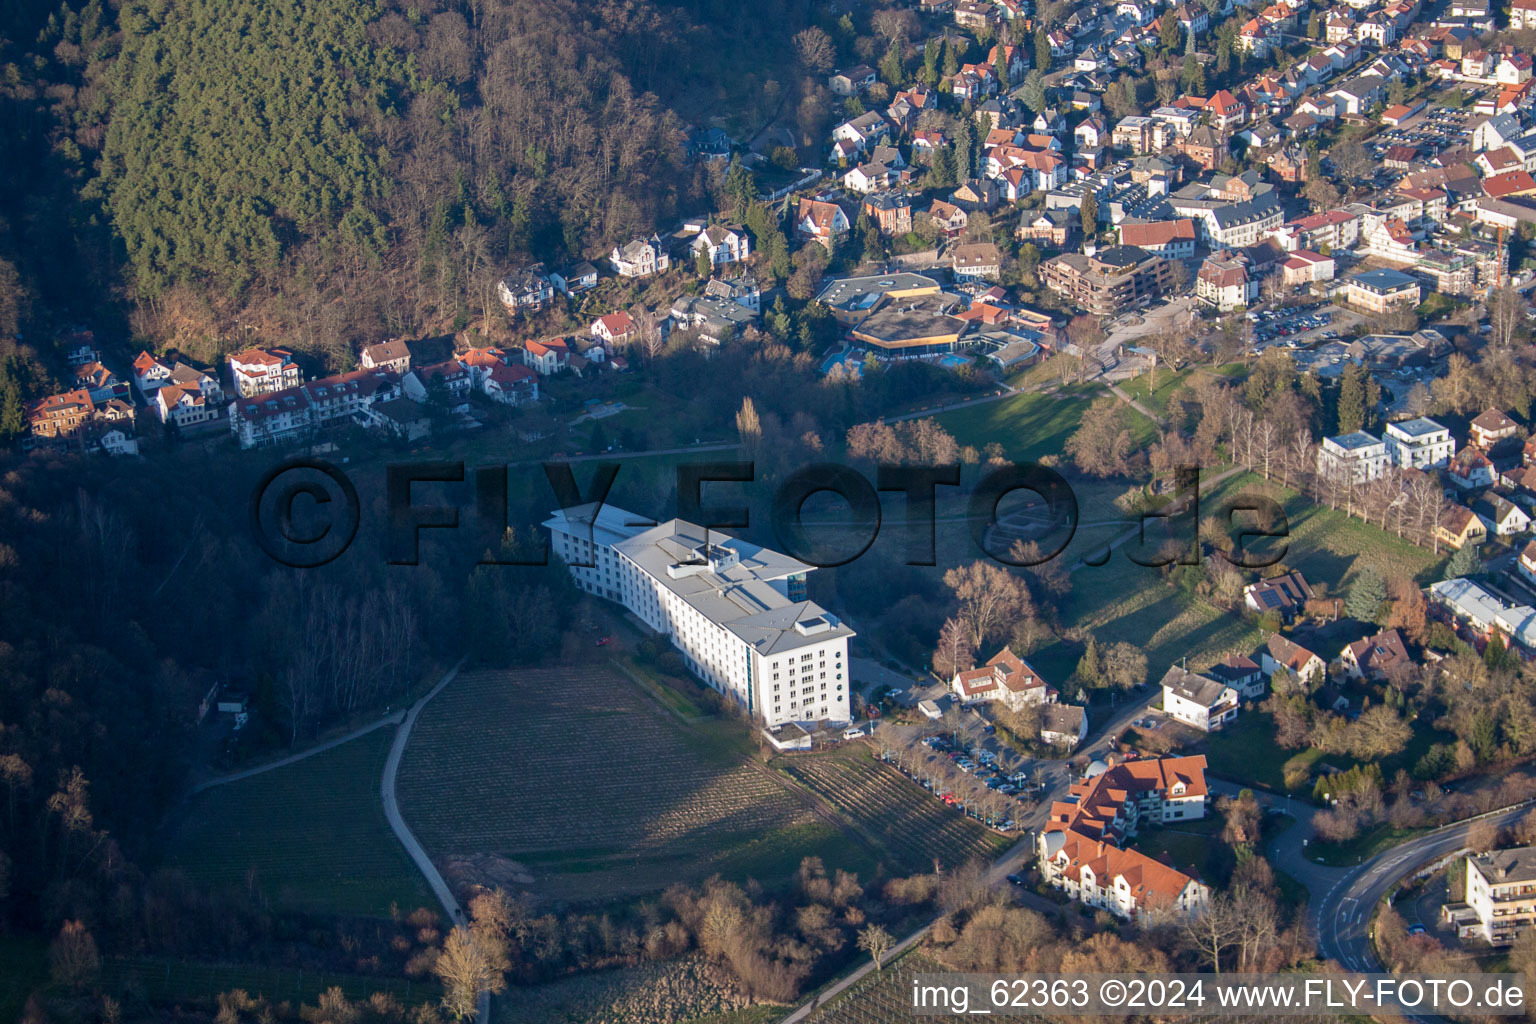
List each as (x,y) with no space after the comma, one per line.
(826,511)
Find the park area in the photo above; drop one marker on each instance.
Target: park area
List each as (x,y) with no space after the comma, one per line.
(576,783)
(310,836)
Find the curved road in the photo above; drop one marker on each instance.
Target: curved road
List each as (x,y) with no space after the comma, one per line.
(402,832)
(1343,916)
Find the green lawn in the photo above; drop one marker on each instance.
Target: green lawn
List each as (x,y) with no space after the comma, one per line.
(310,836)
(1325,544)
(1027,425)
(1168,383)
(1185,844)
(1245,751)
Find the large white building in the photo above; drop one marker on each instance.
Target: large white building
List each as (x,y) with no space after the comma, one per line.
(1419,444)
(1358,457)
(737,612)
(1500,896)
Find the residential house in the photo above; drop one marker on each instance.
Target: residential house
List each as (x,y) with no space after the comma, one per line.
(821,222)
(1242,674)
(525,289)
(387,355)
(1286,595)
(1063,725)
(891,211)
(1283,653)
(1458,526)
(724,245)
(851,81)
(615,329)
(640,257)
(1005,677)
(1224,281)
(947,217)
(546,357)
(1471,470)
(1109,281)
(573,280)
(1197,700)
(977,261)
(1489,428)
(1501,517)
(257,371)
(1381,656)
(1079,851)
(510,384)
(184,407)
(1419,444)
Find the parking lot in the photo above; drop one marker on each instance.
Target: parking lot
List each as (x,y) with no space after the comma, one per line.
(1298,326)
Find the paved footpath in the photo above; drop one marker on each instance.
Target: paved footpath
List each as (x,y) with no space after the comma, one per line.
(412,845)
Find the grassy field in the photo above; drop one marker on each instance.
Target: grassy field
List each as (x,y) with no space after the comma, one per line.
(1325,544)
(1028,425)
(169,981)
(1141,389)
(1245,751)
(1122,601)
(1185,844)
(893,810)
(310,836)
(574,776)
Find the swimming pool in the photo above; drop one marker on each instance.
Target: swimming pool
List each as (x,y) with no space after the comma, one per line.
(954,362)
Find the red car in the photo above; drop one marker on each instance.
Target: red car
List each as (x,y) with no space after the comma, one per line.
(604,641)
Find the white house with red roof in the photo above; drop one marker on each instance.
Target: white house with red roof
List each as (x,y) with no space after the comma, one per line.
(263,371)
(1079,848)
(614,328)
(1007,678)
(511,384)
(546,357)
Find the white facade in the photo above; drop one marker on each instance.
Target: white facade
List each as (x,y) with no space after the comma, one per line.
(1419,444)
(1358,457)
(737,612)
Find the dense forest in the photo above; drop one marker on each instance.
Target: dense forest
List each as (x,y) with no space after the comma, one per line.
(330,171)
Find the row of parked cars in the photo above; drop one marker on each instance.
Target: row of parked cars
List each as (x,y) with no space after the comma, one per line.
(1284,323)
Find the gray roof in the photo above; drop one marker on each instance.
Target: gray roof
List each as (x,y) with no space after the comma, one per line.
(1417,427)
(1193,687)
(852,293)
(731,582)
(1504,866)
(1355,441)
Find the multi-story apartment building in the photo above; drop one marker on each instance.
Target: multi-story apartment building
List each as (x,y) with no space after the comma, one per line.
(1108,281)
(1379,291)
(1419,444)
(1358,457)
(737,612)
(262,371)
(263,420)
(1500,896)
(1079,849)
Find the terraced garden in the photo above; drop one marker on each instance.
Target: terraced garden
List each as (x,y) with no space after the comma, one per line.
(893,810)
(576,778)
